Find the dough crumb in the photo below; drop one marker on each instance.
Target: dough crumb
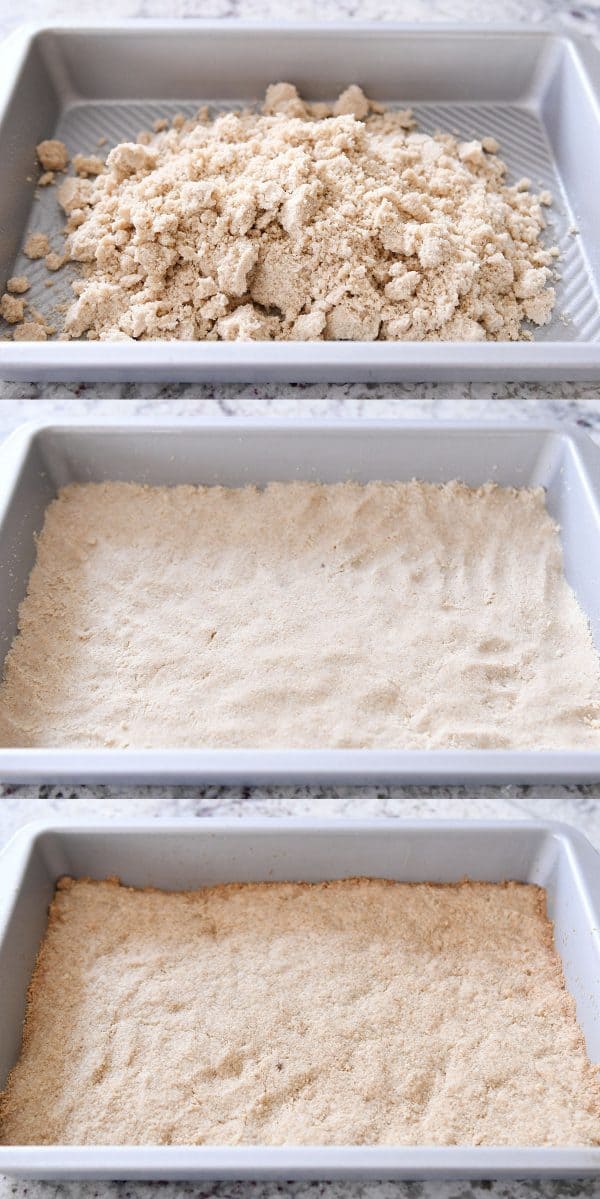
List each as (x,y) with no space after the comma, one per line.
(11,309)
(52,155)
(353,101)
(30,331)
(54,261)
(73,197)
(37,246)
(87,164)
(18,283)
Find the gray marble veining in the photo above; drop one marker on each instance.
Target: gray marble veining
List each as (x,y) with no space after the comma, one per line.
(277,403)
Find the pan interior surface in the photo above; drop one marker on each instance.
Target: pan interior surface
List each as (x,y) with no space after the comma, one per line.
(518,127)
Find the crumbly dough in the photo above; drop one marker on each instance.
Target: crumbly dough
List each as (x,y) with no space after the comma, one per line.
(18,283)
(52,155)
(409,615)
(87,164)
(36,246)
(31,331)
(361,1011)
(54,261)
(12,310)
(304,222)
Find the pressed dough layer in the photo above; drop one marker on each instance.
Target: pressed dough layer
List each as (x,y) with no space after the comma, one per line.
(359,1011)
(407,615)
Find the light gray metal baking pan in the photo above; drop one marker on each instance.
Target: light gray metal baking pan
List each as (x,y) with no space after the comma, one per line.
(183,854)
(536,90)
(37,460)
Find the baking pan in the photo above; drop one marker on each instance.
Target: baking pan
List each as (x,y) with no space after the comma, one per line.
(37,460)
(535,90)
(184,854)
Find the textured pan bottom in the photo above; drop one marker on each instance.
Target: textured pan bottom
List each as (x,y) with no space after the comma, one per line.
(524,147)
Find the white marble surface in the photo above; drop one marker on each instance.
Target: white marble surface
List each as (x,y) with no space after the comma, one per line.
(579,806)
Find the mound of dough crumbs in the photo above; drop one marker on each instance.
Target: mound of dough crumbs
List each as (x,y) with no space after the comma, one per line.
(305,222)
(407,615)
(361,1011)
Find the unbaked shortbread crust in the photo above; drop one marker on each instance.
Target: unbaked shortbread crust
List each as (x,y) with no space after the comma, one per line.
(407,615)
(299,222)
(351,1012)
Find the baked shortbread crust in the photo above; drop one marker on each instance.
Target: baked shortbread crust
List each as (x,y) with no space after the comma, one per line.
(360,1011)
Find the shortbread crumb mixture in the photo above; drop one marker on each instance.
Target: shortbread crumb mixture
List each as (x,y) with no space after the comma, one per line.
(304,222)
(408,615)
(354,1012)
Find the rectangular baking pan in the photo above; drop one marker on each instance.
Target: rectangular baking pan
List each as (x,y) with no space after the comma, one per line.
(536,90)
(37,460)
(183,854)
